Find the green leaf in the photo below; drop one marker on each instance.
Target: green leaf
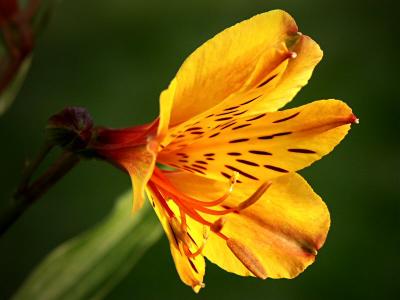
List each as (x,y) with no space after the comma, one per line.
(91,264)
(9,94)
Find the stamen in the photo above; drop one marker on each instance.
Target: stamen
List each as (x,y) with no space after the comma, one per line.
(187,251)
(233,180)
(191,212)
(183,220)
(198,285)
(205,232)
(164,190)
(179,233)
(247,257)
(160,199)
(255,196)
(167,185)
(248,202)
(218,225)
(216,212)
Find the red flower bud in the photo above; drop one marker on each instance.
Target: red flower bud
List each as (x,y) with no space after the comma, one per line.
(71,128)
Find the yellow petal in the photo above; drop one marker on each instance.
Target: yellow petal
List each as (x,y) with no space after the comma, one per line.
(260,147)
(222,65)
(190,270)
(166,101)
(298,72)
(267,74)
(277,237)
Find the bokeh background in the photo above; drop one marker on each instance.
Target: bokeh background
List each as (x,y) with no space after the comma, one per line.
(114,58)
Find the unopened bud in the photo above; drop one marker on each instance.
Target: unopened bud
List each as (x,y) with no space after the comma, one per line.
(71,128)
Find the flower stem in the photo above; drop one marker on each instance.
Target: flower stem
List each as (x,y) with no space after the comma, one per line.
(31,167)
(28,194)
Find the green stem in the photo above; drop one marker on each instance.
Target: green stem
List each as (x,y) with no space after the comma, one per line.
(26,196)
(31,167)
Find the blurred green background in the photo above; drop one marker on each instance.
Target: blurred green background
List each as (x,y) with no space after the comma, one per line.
(114,58)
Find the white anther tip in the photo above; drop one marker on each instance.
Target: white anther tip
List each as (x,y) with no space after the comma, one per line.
(293,54)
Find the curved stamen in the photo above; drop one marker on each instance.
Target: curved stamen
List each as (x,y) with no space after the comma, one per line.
(246,203)
(255,196)
(242,205)
(179,233)
(199,249)
(160,198)
(164,190)
(217,212)
(187,209)
(161,180)
(183,219)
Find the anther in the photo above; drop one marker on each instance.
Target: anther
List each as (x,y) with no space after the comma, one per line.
(197,286)
(247,257)
(186,249)
(179,233)
(205,232)
(293,54)
(233,180)
(255,196)
(218,224)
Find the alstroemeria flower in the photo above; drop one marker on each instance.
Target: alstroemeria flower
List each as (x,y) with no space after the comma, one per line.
(231,192)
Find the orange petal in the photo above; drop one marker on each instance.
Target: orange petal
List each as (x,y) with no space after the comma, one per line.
(276,237)
(133,149)
(140,167)
(260,147)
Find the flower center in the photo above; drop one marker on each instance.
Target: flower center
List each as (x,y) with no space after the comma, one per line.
(196,209)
